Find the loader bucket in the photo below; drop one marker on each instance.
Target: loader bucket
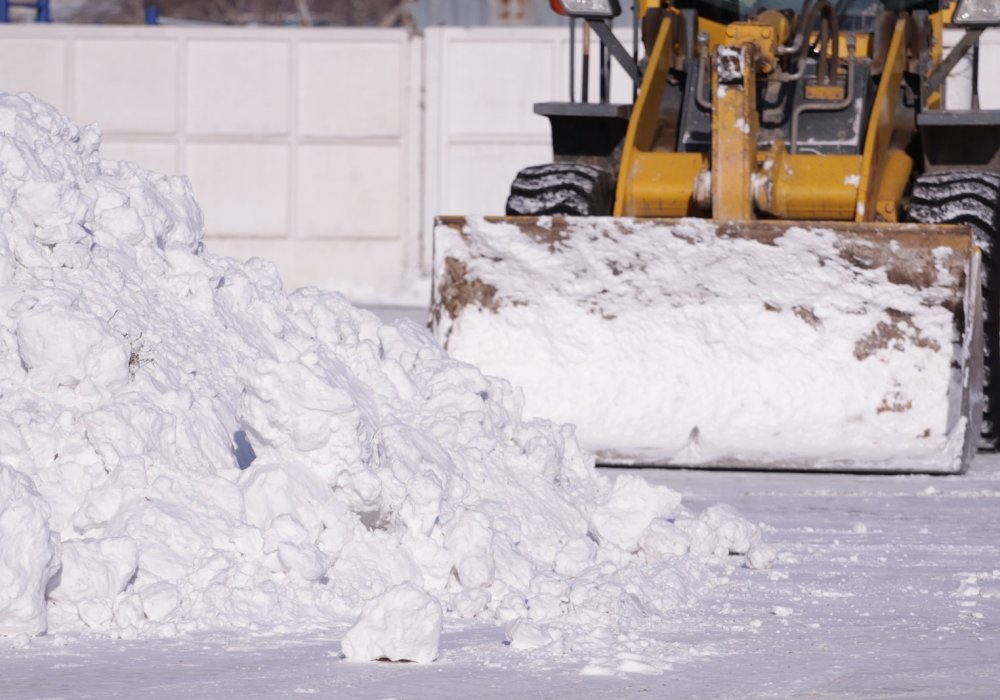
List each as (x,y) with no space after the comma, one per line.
(826,346)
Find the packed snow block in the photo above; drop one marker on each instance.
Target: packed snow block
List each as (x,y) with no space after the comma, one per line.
(160,601)
(629,509)
(663,539)
(736,534)
(29,555)
(272,490)
(402,624)
(525,635)
(761,556)
(95,357)
(469,539)
(93,573)
(294,407)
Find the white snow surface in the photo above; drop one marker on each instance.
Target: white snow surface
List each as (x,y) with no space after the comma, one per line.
(672,344)
(29,555)
(402,624)
(906,606)
(187,448)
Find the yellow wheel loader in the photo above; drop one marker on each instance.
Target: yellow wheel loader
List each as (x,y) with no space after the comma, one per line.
(770,259)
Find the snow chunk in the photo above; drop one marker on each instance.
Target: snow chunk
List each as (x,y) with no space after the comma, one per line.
(93,573)
(402,624)
(469,538)
(629,509)
(663,539)
(29,555)
(761,556)
(160,601)
(52,360)
(735,533)
(523,634)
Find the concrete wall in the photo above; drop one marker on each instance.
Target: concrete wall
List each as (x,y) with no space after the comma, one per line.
(958,86)
(480,127)
(328,151)
(303,146)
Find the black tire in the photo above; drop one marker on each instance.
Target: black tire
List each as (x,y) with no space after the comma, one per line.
(572,189)
(972,197)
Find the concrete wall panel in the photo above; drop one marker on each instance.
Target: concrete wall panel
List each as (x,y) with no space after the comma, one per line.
(350,191)
(126,85)
(479,175)
(480,127)
(351,88)
(360,268)
(297,141)
(959,84)
(989,70)
(36,65)
(488,82)
(242,187)
(161,157)
(238,87)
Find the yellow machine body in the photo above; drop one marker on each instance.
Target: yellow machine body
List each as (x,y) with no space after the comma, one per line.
(656,181)
(703,248)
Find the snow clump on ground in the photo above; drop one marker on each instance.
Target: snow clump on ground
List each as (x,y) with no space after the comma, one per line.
(186,447)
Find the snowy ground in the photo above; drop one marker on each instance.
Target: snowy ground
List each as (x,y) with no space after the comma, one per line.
(886,587)
(191,457)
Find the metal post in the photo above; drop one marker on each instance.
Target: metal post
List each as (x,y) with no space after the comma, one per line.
(635,45)
(975,77)
(585,89)
(572,59)
(605,56)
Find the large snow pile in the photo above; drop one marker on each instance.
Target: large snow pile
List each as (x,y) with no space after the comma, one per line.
(184,447)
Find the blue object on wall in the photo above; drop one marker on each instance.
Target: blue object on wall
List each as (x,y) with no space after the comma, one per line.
(152,14)
(41,9)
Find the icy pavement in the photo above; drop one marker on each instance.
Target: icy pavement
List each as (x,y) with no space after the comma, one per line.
(885,587)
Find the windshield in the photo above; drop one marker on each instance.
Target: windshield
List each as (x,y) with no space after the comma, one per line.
(853,15)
